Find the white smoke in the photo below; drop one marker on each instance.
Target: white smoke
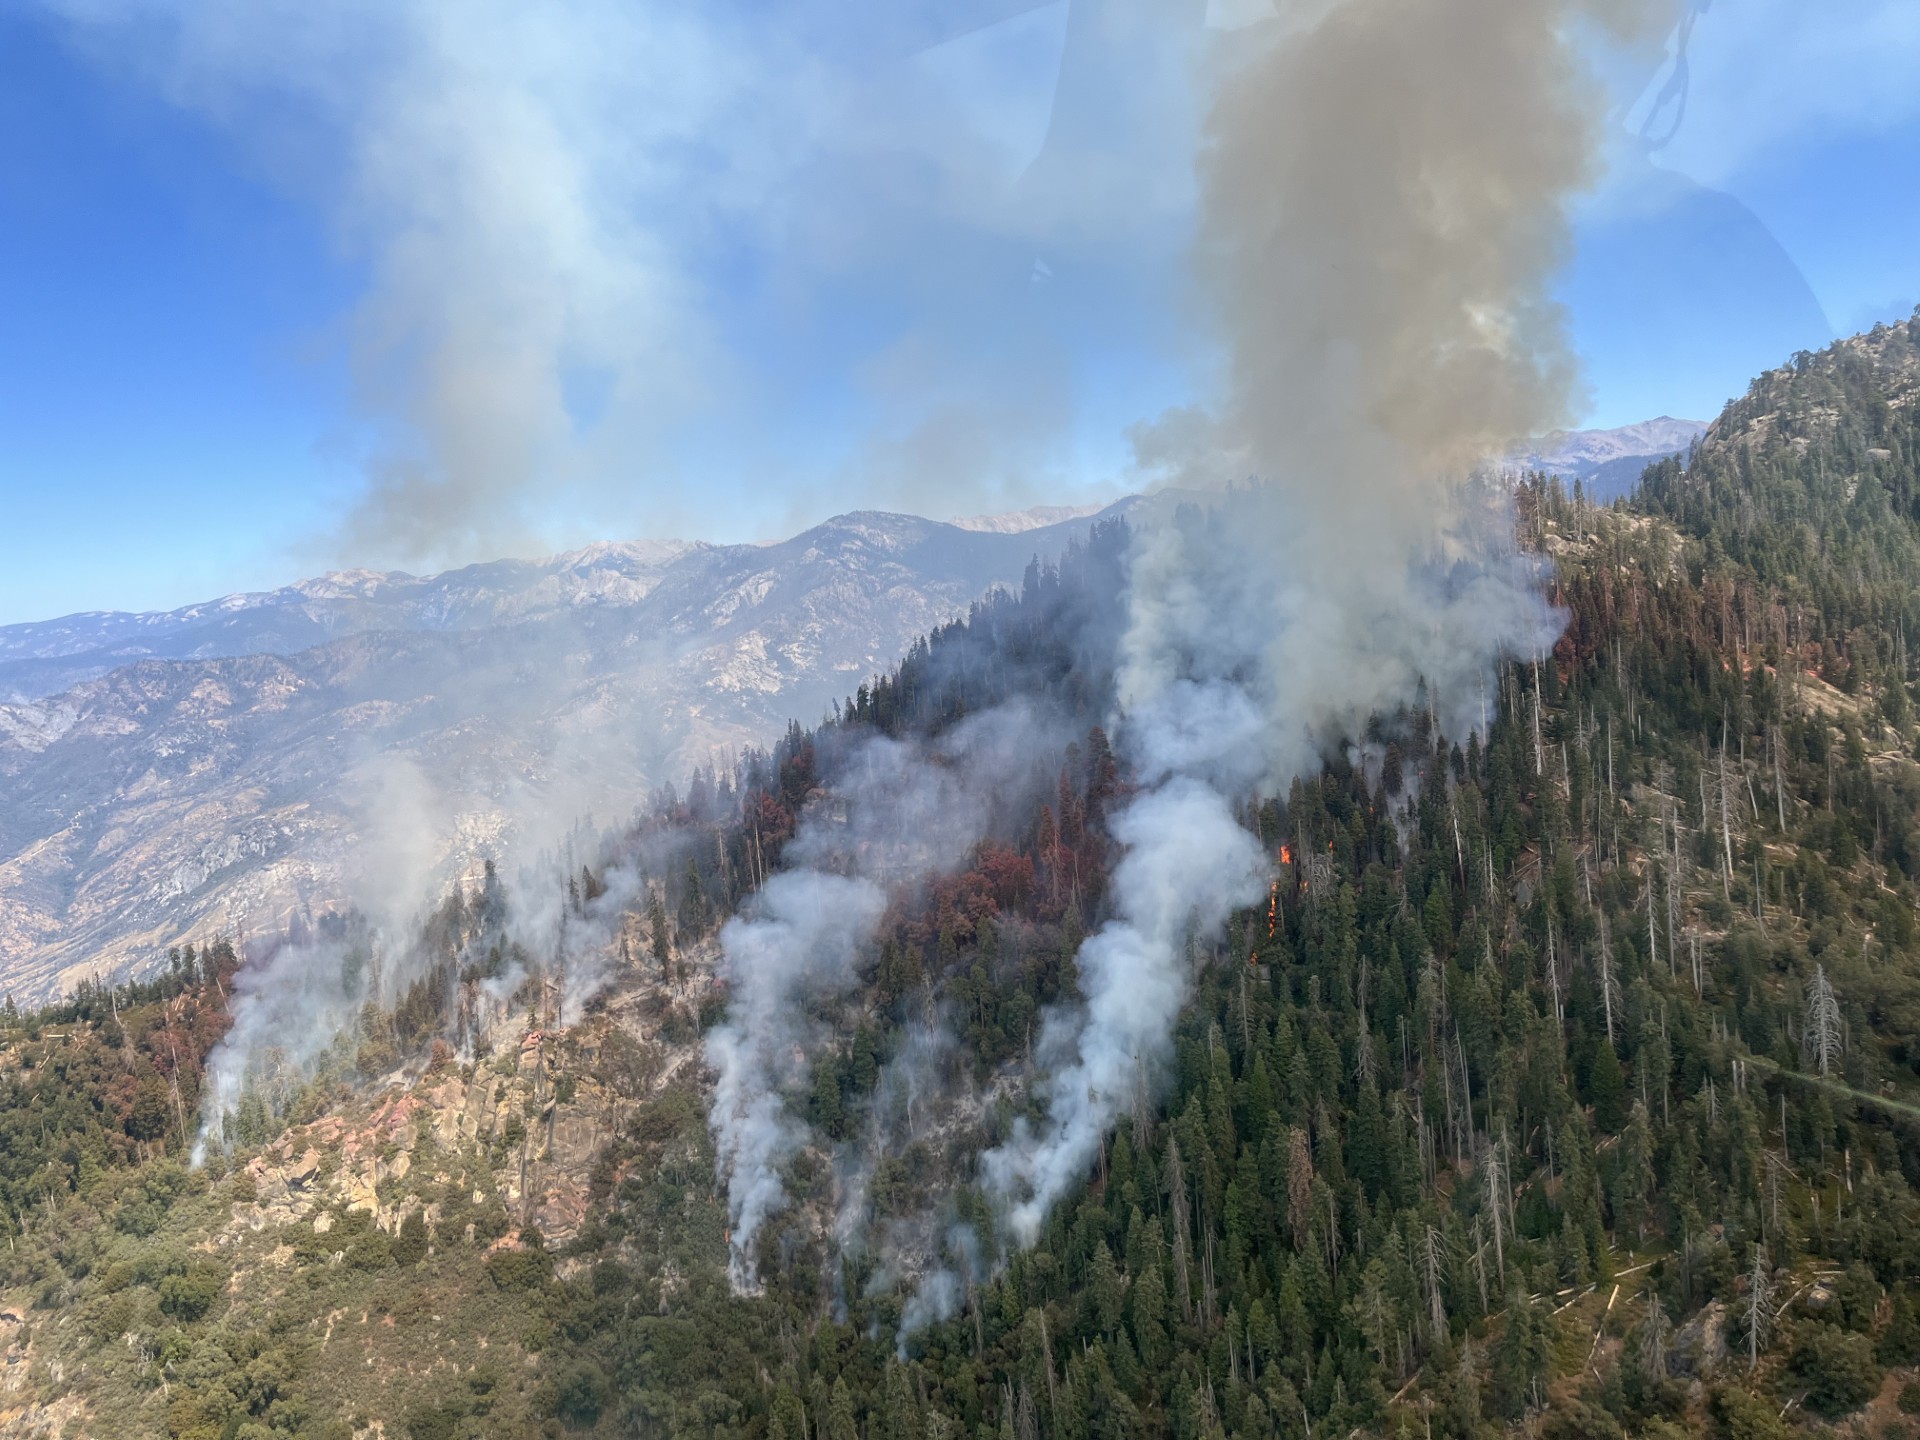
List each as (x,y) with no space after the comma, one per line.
(1188,864)
(295,998)
(797,948)
(297,1001)
(935,1299)
(896,814)
(916,1084)
(609,248)
(1384,198)
(289,1009)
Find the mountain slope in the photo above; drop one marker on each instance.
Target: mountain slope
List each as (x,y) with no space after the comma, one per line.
(175,797)
(1561,1086)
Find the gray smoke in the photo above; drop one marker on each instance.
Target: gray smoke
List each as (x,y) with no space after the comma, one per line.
(1384,193)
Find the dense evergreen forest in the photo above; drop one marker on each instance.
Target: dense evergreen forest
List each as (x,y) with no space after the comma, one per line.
(1568,1079)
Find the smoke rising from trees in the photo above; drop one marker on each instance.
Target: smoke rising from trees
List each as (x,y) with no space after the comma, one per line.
(290,1008)
(893,815)
(1383,206)
(1189,862)
(797,948)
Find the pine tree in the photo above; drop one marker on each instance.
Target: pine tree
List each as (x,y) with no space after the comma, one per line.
(1520,1362)
(1147,1303)
(1606,1087)
(1651,1352)
(839,1422)
(900,1414)
(1759,1306)
(1178,1205)
(1432,1274)
(1633,1179)
(1299,1186)
(693,901)
(1106,1292)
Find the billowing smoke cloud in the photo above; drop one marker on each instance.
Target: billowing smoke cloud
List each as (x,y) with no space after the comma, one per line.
(1383,208)
(595,239)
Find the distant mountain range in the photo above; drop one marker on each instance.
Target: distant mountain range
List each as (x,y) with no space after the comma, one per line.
(221,767)
(224,766)
(1608,463)
(47,657)
(1017,522)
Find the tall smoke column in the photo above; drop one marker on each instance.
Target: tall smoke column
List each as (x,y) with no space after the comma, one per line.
(1383,208)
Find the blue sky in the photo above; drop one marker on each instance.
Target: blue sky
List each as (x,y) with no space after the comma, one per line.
(268,273)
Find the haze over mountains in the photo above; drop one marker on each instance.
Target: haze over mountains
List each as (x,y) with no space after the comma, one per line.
(1608,462)
(222,767)
(42,658)
(225,766)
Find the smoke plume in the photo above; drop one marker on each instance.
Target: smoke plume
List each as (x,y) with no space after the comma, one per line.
(1188,863)
(893,815)
(798,947)
(291,1007)
(1384,205)
(603,248)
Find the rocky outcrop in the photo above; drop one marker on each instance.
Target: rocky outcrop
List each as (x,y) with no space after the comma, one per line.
(22,1374)
(1701,1344)
(505,1114)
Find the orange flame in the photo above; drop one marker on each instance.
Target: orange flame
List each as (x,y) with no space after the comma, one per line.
(1286,854)
(1273,908)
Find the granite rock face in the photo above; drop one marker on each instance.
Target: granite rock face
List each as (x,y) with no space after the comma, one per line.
(363,737)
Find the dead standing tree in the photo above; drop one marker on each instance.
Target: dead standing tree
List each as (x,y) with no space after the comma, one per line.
(1825,1036)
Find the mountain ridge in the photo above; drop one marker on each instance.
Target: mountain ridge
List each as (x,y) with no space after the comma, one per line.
(242,749)
(169,797)
(1607,463)
(1560,1083)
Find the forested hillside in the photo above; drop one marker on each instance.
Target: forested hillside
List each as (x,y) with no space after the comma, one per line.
(1567,1078)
